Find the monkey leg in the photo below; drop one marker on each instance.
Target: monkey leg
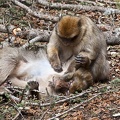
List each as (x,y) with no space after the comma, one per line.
(17,82)
(82,79)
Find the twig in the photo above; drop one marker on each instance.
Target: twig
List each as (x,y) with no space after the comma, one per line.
(43,115)
(75,107)
(22,95)
(13,98)
(36,14)
(19,112)
(16,116)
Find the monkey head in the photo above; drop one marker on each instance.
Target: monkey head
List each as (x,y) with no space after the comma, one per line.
(58,85)
(68,29)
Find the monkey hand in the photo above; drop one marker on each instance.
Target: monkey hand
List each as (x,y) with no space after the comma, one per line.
(55,62)
(33,85)
(56,67)
(81,61)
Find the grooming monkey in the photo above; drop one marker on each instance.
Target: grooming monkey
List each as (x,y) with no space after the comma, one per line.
(80,40)
(23,67)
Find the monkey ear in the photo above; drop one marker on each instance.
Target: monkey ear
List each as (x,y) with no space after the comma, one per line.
(60,16)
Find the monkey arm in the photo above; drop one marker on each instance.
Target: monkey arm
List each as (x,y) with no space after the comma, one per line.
(53,57)
(85,58)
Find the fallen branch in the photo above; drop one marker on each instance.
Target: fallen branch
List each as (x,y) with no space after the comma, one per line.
(36,14)
(89,2)
(41,38)
(9,28)
(109,2)
(19,111)
(43,115)
(112,39)
(78,7)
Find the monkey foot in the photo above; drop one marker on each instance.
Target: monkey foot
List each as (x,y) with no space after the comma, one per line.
(33,85)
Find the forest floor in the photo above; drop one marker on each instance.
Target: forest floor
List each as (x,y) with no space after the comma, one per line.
(100,102)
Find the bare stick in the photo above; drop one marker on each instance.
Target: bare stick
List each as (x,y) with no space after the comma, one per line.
(19,112)
(43,115)
(16,116)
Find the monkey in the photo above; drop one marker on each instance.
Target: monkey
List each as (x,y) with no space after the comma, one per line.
(79,39)
(27,68)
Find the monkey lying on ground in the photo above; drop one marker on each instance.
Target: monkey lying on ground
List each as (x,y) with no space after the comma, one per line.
(23,67)
(80,40)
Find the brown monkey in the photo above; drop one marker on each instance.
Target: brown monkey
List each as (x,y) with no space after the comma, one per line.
(80,40)
(23,67)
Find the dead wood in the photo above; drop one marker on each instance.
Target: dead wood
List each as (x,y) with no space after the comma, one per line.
(112,39)
(6,29)
(78,7)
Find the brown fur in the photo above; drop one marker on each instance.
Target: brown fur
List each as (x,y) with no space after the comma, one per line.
(68,29)
(79,37)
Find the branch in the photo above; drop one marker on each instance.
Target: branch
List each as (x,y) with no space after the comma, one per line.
(108,2)
(78,7)
(42,116)
(112,39)
(89,2)
(41,38)
(9,29)
(36,14)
